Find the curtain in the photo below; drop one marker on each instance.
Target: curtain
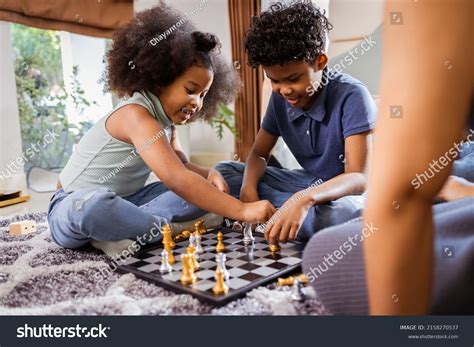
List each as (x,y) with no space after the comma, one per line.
(248,104)
(97,18)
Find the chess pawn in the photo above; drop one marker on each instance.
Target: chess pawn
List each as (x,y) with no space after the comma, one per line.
(197,227)
(248,237)
(220,288)
(297,293)
(274,247)
(220,260)
(192,252)
(192,243)
(289,281)
(165,265)
(286,281)
(188,277)
(197,244)
(220,247)
(192,240)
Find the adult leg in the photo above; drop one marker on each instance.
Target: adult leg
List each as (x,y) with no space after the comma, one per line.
(333,261)
(464,166)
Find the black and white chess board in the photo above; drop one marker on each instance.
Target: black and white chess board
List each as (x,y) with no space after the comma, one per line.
(249,266)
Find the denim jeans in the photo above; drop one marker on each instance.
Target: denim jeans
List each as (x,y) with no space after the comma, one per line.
(341,284)
(278,185)
(464,166)
(79,217)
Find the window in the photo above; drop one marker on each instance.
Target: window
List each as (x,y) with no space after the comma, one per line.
(58,90)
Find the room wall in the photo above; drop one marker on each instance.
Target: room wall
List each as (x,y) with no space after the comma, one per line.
(354,21)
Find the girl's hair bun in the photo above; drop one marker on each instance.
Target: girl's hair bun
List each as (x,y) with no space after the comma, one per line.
(205,42)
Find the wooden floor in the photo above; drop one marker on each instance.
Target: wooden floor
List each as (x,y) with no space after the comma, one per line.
(38,203)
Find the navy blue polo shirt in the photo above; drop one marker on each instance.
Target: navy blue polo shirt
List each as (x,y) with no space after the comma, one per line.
(343,107)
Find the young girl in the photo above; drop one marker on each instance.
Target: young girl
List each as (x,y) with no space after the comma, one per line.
(101,191)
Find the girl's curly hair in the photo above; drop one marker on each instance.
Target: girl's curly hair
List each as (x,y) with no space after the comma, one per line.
(157,47)
(287,33)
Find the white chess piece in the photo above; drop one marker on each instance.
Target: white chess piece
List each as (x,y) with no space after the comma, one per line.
(248,237)
(165,265)
(220,260)
(260,228)
(297,293)
(197,244)
(236,226)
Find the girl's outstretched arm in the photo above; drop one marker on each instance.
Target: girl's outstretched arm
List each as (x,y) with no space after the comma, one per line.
(425,96)
(163,161)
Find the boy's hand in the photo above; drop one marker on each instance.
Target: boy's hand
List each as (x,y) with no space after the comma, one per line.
(217,180)
(249,195)
(258,212)
(285,225)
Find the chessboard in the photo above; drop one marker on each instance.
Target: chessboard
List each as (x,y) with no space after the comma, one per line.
(249,265)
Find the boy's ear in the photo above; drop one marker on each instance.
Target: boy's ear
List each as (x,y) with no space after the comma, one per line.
(322,61)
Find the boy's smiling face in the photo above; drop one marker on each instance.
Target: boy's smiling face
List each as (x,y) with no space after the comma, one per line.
(292,80)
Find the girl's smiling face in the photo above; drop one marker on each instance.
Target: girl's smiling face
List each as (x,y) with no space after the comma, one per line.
(185,96)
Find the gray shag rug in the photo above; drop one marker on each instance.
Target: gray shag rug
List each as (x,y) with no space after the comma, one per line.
(37,277)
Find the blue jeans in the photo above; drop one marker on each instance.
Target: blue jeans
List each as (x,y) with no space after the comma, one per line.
(464,166)
(341,284)
(278,185)
(77,218)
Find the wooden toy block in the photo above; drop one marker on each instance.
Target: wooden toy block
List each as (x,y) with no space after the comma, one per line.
(23,227)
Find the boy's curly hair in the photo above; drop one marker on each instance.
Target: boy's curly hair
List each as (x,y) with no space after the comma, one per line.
(135,64)
(287,33)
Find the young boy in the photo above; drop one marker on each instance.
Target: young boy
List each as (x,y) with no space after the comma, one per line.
(324,118)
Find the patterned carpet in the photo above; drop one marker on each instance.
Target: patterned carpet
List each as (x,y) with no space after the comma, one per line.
(37,277)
